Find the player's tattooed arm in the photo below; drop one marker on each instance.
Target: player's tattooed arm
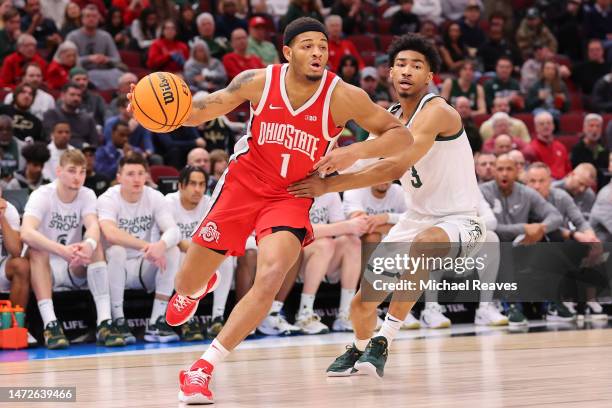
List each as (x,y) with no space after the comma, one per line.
(246,86)
(241,79)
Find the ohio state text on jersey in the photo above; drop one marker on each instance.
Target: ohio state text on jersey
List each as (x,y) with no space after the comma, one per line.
(283,144)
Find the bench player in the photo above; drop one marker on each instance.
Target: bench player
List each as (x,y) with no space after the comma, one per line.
(129,212)
(60,256)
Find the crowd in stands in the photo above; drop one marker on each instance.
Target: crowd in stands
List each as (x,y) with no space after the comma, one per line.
(532,81)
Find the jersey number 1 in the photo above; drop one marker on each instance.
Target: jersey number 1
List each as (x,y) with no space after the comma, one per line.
(285,165)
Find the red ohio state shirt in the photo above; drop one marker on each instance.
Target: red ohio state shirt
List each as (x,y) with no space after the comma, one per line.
(283,144)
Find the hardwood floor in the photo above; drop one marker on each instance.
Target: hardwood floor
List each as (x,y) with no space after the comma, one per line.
(566,368)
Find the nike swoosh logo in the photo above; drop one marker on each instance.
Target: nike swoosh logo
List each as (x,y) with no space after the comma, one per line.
(272,107)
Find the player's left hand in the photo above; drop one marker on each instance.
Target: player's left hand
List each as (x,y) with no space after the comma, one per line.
(310,187)
(336,160)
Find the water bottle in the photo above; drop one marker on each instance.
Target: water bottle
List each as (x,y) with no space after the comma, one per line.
(19,316)
(6,320)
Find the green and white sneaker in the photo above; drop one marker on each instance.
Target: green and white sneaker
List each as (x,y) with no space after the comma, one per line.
(373,359)
(124,329)
(54,336)
(558,312)
(343,366)
(516,317)
(108,335)
(160,332)
(191,331)
(215,326)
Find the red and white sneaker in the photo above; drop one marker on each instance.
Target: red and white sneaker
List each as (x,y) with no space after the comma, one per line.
(182,308)
(194,383)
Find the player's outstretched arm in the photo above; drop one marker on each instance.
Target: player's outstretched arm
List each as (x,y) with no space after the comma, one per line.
(425,130)
(352,103)
(246,86)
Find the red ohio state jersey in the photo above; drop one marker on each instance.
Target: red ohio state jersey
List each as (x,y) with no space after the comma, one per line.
(283,144)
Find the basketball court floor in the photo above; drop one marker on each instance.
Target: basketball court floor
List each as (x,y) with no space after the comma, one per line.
(546,365)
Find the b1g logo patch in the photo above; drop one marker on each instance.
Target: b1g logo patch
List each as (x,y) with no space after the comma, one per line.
(209,232)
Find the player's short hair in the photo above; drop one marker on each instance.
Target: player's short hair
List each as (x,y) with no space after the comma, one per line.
(133,158)
(186,173)
(302,25)
(74,157)
(539,165)
(418,43)
(36,153)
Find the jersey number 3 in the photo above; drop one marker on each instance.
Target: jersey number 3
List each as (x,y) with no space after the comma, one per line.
(416,180)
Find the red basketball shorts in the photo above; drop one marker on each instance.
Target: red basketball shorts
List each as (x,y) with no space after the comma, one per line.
(242,203)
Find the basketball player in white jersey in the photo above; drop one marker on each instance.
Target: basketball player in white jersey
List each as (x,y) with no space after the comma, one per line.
(332,254)
(382,204)
(128,213)
(188,206)
(437,174)
(60,256)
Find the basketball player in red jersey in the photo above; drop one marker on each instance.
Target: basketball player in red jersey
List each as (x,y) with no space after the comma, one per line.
(297,112)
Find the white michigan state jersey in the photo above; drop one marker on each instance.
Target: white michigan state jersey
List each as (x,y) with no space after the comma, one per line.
(137,219)
(443,182)
(59,221)
(187,220)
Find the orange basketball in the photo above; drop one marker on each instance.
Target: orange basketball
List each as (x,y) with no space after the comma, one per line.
(161,102)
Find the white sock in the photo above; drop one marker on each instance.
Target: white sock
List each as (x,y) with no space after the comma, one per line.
(159,308)
(277,305)
(117,310)
(483,304)
(215,353)
(346,295)
(116,258)
(103,308)
(97,280)
(360,344)
(390,327)
(306,303)
(47,312)
(226,270)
